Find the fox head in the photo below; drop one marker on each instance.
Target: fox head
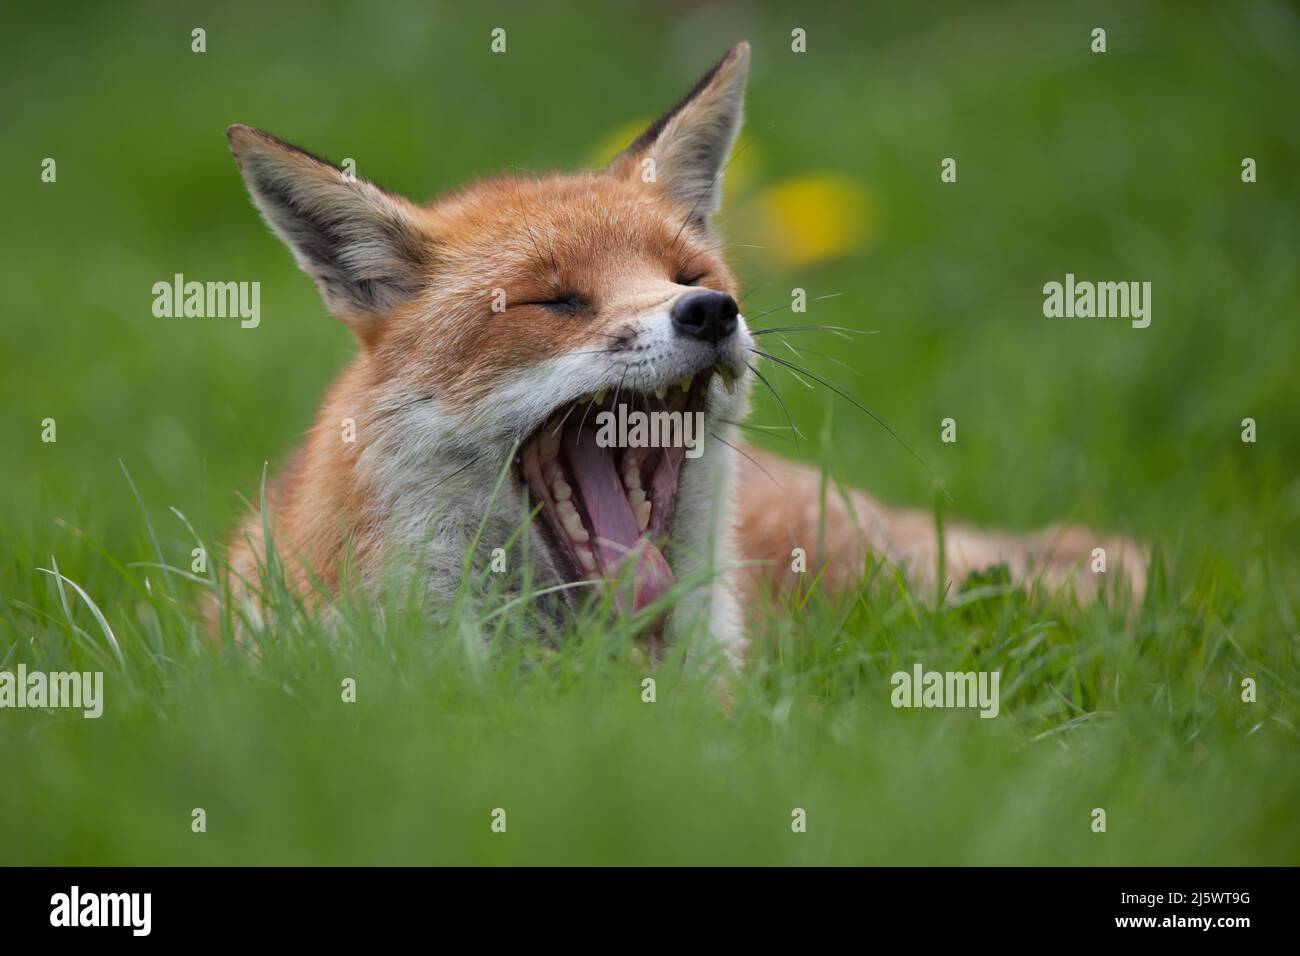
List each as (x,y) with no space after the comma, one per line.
(496,324)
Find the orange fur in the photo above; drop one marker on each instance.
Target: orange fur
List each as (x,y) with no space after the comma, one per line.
(785,505)
(421,287)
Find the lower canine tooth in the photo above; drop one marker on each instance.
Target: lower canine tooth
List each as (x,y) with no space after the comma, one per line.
(576,532)
(642,512)
(571,521)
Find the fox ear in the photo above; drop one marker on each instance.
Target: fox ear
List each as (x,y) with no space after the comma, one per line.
(689,144)
(361,244)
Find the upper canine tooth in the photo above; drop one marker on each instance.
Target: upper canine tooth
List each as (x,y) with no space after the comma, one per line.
(599,397)
(685,383)
(659,392)
(728,377)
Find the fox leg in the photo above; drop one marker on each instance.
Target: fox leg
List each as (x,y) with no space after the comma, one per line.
(783,507)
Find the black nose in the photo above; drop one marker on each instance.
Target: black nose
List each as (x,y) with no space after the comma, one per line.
(706,315)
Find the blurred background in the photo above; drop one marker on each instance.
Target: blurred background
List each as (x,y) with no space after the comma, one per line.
(1122,166)
(1117,166)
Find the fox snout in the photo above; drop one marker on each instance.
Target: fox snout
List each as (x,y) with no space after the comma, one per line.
(706,315)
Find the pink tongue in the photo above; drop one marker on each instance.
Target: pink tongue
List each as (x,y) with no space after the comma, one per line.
(613,525)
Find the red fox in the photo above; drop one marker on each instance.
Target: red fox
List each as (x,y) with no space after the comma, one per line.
(506,319)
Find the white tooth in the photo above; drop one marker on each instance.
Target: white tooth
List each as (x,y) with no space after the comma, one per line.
(728,378)
(586,559)
(642,512)
(660,391)
(685,383)
(599,397)
(636,496)
(573,525)
(631,479)
(562,490)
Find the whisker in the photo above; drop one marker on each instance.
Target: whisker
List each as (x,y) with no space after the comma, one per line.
(786,343)
(550,263)
(618,388)
(750,457)
(759,428)
(775,428)
(458,471)
(822,355)
(730,245)
(587,411)
(798,378)
(839,330)
(780,308)
(572,406)
(857,404)
(759,375)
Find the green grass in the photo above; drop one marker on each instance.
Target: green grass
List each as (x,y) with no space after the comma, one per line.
(1123,166)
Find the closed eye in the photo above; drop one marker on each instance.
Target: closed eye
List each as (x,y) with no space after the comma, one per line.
(691,279)
(567,304)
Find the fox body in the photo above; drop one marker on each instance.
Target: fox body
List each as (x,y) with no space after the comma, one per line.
(493,324)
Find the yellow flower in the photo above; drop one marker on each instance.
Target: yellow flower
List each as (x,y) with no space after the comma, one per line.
(813,218)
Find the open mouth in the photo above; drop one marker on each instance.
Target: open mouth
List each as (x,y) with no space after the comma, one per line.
(606,507)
